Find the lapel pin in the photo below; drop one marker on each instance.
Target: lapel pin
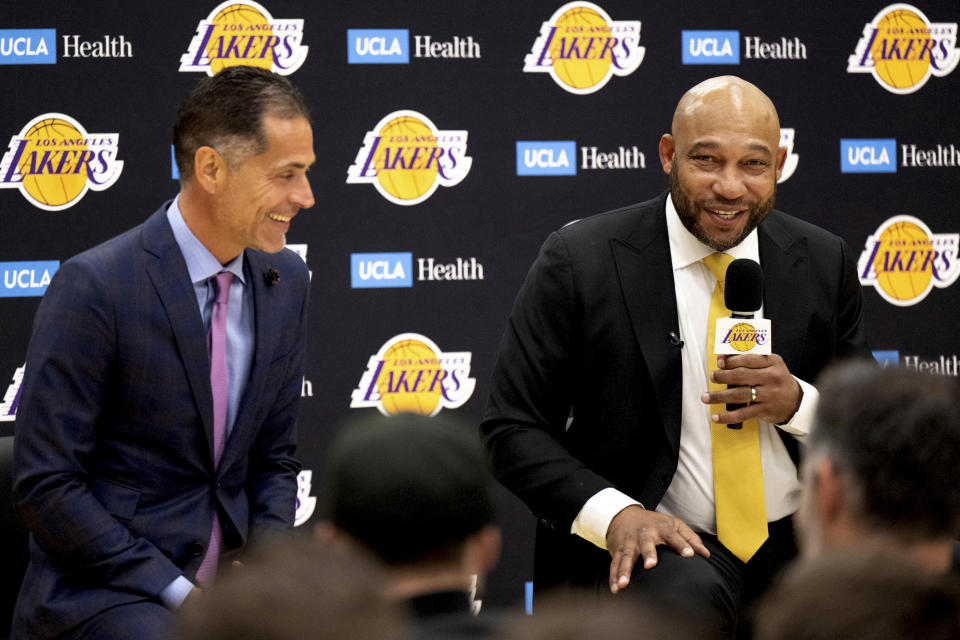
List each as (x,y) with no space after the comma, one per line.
(271,277)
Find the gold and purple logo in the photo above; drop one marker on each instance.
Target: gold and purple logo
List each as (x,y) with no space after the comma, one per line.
(410,374)
(244,33)
(582,47)
(406,157)
(53,161)
(902,48)
(904,260)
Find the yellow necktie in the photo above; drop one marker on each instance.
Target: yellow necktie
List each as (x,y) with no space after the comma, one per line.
(737,474)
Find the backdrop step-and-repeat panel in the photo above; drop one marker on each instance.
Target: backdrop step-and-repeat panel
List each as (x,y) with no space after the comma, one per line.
(451,137)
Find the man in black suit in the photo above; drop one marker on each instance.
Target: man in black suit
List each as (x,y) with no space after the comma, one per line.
(598,415)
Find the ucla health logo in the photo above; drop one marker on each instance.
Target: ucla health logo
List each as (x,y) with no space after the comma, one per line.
(406,157)
(710,47)
(904,260)
(581,48)
(28,46)
(53,161)
(11,399)
(27,279)
(887,358)
(381,270)
(861,155)
(546,158)
(410,374)
(378,46)
(245,33)
(902,49)
(375,270)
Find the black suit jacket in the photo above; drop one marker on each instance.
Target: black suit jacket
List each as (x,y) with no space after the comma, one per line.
(114,472)
(586,391)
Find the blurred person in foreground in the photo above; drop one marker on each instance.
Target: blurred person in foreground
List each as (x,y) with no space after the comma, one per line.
(561,615)
(859,595)
(298,591)
(882,467)
(415,492)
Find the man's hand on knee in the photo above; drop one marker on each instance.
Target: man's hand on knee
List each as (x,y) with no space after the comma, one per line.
(636,532)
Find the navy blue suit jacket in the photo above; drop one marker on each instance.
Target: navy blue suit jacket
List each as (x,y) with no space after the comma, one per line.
(113,464)
(586,391)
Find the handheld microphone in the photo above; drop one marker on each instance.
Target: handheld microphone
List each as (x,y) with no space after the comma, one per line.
(743,295)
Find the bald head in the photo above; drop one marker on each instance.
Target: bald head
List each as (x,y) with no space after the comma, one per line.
(727,99)
(723,156)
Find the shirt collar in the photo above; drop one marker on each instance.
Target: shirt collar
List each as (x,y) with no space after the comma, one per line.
(201,264)
(685,249)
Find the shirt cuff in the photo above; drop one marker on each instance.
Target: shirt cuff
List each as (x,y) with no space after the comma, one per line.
(594,518)
(801,421)
(175,593)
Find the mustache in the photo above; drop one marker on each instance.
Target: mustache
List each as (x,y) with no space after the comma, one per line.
(738,203)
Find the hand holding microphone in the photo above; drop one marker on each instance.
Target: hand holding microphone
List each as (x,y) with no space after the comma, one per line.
(759,384)
(743,296)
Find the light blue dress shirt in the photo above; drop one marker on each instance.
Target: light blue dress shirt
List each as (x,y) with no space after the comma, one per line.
(202,266)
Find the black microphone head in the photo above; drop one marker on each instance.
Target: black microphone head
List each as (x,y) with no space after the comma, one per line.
(743,290)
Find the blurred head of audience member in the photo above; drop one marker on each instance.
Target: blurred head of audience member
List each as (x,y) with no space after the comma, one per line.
(569,615)
(882,467)
(295,591)
(853,596)
(415,491)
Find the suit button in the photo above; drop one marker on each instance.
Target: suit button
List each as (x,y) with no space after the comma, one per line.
(195,549)
(217,484)
(664,481)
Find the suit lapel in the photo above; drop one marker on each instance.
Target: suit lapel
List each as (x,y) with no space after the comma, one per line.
(168,272)
(645,271)
(267,318)
(783,256)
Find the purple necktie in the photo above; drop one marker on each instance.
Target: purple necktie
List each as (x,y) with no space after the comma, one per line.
(217,347)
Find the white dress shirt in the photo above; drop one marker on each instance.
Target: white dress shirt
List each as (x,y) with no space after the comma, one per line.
(690,494)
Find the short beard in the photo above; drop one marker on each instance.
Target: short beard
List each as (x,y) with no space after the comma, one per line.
(689,214)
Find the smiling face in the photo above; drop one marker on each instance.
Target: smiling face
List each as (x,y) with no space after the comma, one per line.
(723,159)
(265,191)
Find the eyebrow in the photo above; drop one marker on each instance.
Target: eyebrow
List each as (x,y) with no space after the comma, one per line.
(756,146)
(295,165)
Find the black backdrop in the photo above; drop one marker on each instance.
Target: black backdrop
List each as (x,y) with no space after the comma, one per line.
(493,219)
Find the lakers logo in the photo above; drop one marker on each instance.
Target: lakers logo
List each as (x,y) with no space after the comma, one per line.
(411,375)
(406,158)
(54,161)
(245,33)
(790,164)
(581,48)
(306,503)
(904,260)
(744,337)
(902,49)
(11,399)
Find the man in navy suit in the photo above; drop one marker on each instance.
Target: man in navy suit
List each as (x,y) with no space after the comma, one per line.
(114,459)
(599,416)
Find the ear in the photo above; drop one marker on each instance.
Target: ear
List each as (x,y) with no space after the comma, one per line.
(482,550)
(829,498)
(209,169)
(667,152)
(781,160)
